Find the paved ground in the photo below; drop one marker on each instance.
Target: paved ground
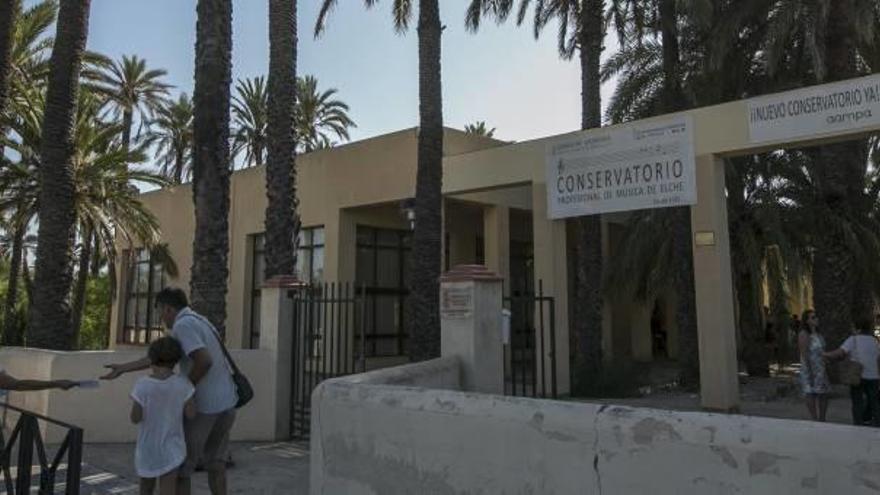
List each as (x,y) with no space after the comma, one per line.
(777,396)
(259,469)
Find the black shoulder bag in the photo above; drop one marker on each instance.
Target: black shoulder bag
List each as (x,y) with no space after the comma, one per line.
(243,387)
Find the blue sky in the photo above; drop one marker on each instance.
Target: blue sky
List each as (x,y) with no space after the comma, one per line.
(501,75)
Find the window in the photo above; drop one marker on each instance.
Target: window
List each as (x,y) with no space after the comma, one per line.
(382,269)
(146,277)
(309,268)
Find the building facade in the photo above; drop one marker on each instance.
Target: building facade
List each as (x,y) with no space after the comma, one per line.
(356,223)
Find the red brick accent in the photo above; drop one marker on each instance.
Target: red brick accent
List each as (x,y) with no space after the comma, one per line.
(466,273)
(284,282)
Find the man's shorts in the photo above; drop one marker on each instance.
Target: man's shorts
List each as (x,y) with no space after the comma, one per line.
(207,441)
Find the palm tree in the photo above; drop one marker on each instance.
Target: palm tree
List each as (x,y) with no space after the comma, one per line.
(318,116)
(27,63)
(50,312)
(133,89)
(581,30)
(831,39)
(211,160)
(30,44)
(11,335)
(8,13)
(282,218)
(422,317)
(106,204)
(171,134)
(15,311)
(479,128)
(686,311)
(250,109)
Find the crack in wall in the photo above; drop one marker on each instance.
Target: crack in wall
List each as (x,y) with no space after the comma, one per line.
(596,449)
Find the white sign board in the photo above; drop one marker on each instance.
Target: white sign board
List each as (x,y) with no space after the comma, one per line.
(844,106)
(648,165)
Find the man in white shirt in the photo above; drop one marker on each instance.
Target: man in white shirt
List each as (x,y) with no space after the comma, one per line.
(864,348)
(207,436)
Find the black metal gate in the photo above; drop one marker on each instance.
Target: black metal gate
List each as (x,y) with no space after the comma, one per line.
(328,341)
(530,354)
(26,441)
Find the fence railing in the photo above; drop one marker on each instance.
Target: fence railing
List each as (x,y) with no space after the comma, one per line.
(328,341)
(26,442)
(530,356)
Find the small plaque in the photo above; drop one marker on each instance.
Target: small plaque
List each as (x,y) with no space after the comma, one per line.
(456,302)
(705,238)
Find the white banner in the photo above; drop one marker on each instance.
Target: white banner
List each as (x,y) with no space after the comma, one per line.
(843,106)
(649,165)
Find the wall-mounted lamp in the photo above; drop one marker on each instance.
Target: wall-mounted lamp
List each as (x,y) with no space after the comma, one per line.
(408,208)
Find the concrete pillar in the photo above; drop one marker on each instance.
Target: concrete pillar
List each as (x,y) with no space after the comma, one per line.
(551,269)
(496,242)
(340,246)
(718,364)
(470,323)
(276,335)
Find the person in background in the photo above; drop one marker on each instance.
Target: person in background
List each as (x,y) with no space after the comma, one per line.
(863,348)
(160,402)
(813,375)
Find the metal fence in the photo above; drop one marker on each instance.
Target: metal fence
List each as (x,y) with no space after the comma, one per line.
(328,341)
(530,355)
(25,445)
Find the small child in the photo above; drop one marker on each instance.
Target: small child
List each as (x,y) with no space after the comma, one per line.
(160,402)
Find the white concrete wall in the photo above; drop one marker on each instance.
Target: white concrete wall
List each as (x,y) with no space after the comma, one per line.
(374,438)
(103,412)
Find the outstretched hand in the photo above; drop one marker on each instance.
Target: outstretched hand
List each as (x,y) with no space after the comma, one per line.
(65,384)
(114,373)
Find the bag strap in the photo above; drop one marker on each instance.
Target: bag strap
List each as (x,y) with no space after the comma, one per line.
(216,335)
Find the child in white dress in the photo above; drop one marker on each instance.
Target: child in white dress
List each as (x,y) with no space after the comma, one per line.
(161,400)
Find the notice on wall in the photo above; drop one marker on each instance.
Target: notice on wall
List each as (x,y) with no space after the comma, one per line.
(649,165)
(843,106)
(456,302)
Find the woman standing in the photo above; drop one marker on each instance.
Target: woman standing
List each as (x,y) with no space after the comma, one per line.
(814,378)
(863,348)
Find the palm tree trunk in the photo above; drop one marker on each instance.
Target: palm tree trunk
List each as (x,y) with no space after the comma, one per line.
(422,311)
(26,276)
(50,309)
(127,122)
(7,28)
(82,280)
(178,167)
(213,75)
(8,14)
(686,312)
(258,154)
(12,327)
(746,278)
(95,269)
(842,175)
(111,274)
(282,220)
(587,324)
(754,352)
